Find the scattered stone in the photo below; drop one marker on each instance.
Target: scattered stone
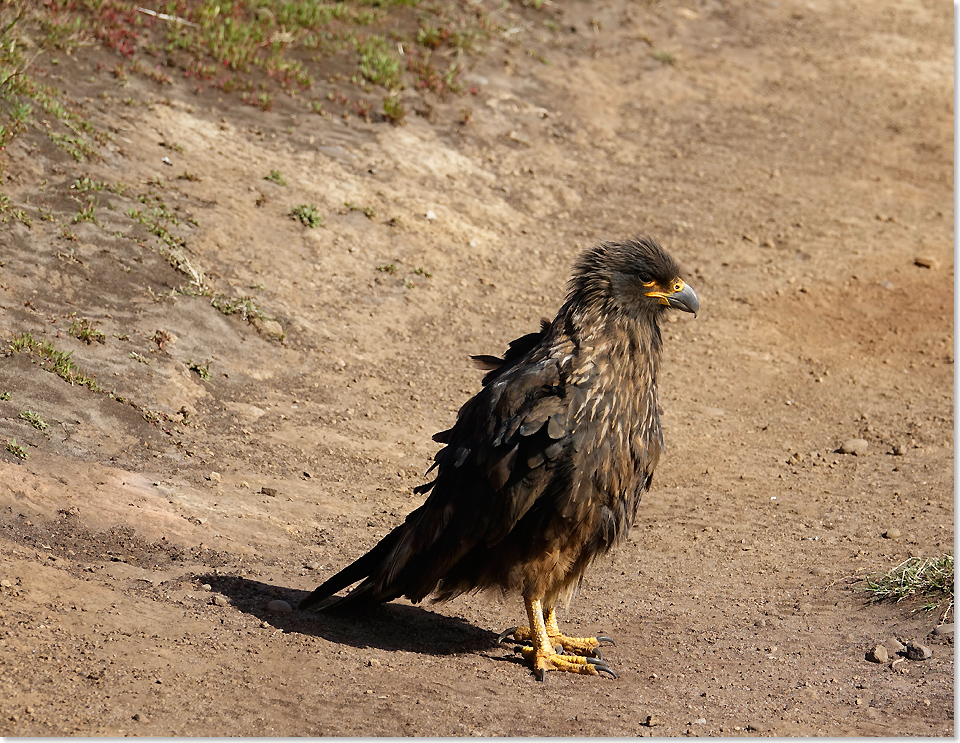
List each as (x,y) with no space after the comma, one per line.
(944,630)
(220,600)
(431,216)
(139,717)
(895,646)
(313,566)
(898,449)
(206,587)
(279,606)
(272,492)
(214,477)
(5,583)
(925,261)
(268,327)
(373,663)
(857,447)
(916,651)
(878,654)
(651,721)
(893,533)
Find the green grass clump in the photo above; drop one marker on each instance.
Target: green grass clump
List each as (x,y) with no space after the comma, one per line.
(33,419)
(54,361)
(275,176)
(14,448)
(307,214)
(83,329)
(928,578)
(378,63)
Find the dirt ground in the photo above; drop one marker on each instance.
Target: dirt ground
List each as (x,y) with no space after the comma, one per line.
(796,157)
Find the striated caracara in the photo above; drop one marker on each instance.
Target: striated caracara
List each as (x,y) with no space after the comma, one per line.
(545,466)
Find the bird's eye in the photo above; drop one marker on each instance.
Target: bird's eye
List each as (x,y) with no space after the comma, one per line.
(677,285)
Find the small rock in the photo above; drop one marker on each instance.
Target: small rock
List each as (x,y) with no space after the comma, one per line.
(206,587)
(943,630)
(925,261)
(916,651)
(268,327)
(651,721)
(373,663)
(139,718)
(220,600)
(214,477)
(313,566)
(898,450)
(279,606)
(878,654)
(895,646)
(893,533)
(857,447)
(6,583)
(431,216)
(272,492)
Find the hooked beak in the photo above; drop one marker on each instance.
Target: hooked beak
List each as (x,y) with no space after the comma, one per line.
(685,299)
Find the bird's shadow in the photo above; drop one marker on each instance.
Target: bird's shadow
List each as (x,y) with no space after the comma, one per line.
(386,626)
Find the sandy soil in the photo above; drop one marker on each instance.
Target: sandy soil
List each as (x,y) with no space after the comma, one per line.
(797,158)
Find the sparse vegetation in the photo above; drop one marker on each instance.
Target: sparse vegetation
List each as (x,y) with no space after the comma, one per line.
(202,370)
(57,362)
(33,419)
(14,448)
(367,211)
(387,268)
(928,579)
(307,214)
(83,329)
(275,176)
(665,57)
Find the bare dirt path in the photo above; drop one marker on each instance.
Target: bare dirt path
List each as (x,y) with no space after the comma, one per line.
(797,157)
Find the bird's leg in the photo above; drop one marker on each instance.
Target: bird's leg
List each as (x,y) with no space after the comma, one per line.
(588,646)
(541,651)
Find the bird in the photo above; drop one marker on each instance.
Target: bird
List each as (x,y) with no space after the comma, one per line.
(544,468)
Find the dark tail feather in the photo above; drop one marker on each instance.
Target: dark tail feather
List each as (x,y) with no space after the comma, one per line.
(365,568)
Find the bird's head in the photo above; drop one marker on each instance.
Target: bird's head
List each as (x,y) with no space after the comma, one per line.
(634,278)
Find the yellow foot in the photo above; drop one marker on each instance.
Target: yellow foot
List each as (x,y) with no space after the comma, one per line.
(586,646)
(546,661)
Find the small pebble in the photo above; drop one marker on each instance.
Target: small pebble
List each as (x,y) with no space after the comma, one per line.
(272,492)
(373,663)
(206,587)
(279,606)
(895,646)
(220,600)
(214,477)
(944,629)
(925,261)
(6,583)
(893,533)
(139,718)
(313,566)
(857,447)
(431,216)
(916,651)
(898,450)
(878,654)
(651,721)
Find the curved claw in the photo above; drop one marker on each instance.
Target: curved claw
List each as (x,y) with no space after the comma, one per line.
(597,654)
(505,634)
(540,674)
(601,638)
(601,666)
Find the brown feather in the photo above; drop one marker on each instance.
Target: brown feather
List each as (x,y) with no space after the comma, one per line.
(545,466)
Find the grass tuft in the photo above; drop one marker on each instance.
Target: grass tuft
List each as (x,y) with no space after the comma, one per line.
(928,578)
(307,214)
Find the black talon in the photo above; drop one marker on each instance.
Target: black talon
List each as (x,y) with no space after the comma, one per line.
(601,667)
(505,634)
(597,654)
(606,639)
(558,649)
(540,674)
